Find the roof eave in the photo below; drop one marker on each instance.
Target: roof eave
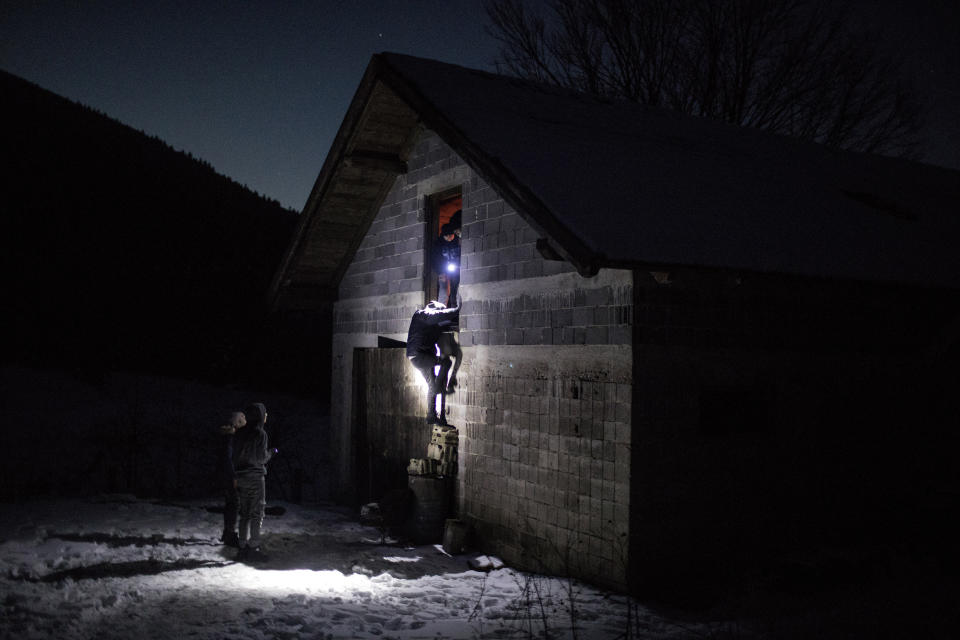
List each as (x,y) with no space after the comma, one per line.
(341,154)
(334,157)
(491,170)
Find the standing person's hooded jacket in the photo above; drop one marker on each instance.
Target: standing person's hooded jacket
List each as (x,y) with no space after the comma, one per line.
(250,448)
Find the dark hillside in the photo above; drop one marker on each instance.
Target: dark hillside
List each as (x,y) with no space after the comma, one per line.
(121,252)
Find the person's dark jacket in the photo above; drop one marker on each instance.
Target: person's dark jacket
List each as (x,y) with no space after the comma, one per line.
(426,325)
(225,459)
(250,446)
(445,253)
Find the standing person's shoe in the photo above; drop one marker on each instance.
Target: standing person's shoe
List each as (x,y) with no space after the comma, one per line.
(243,554)
(230,539)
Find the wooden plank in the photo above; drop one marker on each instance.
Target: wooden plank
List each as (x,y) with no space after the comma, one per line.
(375,160)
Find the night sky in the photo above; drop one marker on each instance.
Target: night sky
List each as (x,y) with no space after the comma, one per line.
(258,89)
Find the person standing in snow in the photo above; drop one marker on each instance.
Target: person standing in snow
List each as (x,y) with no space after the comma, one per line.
(231,502)
(250,456)
(426,327)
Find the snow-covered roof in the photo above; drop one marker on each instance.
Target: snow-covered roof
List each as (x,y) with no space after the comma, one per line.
(639,185)
(614,184)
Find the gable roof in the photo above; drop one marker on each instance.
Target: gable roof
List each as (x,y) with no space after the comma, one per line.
(613,184)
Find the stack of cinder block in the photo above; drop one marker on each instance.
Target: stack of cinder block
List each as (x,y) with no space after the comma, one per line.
(422,467)
(443,448)
(441,454)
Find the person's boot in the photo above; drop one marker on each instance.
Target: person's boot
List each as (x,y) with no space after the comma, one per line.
(230,539)
(243,554)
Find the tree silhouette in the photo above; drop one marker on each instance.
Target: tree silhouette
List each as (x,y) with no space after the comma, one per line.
(793,67)
(121,252)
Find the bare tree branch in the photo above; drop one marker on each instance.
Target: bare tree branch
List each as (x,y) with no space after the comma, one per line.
(793,67)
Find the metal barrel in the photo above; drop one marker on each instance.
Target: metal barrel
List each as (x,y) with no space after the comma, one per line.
(431,500)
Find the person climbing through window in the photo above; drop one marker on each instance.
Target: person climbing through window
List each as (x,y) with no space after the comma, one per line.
(446,258)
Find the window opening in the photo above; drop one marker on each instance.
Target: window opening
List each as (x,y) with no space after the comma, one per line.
(442,269)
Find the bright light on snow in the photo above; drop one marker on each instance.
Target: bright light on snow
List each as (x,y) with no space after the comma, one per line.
(305,581)
(402,559)
(122,567)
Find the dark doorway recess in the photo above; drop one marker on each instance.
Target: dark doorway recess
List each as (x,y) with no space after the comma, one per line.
(388,426)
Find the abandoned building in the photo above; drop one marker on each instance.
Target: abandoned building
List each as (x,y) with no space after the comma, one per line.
(689,348)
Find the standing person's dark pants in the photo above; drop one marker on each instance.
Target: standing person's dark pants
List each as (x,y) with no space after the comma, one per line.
(252,492)
(230,503)
(453,281)
(231,506)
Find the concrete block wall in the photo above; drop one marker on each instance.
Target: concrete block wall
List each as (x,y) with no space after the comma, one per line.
(545,400)
(384,283)
(545,456)
(579,429)
(543,405)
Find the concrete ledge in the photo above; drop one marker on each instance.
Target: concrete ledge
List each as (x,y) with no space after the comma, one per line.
(611,363)
(562,282)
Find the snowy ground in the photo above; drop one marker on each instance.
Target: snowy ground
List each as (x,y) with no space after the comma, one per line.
(119,567)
